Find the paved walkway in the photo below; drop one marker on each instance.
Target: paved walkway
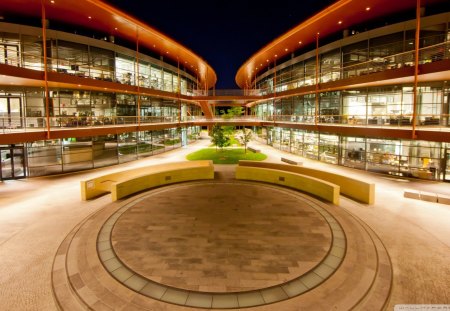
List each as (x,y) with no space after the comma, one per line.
(36,215)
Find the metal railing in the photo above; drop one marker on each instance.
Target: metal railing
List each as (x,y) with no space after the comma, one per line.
(377,120)
(81,65)
(228,92)
(427,54)
(27,124)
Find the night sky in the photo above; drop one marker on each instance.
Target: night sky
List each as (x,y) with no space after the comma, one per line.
(225,33)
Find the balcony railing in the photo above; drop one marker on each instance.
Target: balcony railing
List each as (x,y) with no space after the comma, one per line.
(27,124)
(427,54)
(81,65)
(227,92)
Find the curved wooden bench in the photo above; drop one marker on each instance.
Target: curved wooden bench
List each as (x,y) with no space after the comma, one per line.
(312,185)
(356,189)
(123,183)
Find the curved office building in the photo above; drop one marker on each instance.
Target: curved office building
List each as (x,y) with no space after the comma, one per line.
(117,89)
(342,88)
(362,86)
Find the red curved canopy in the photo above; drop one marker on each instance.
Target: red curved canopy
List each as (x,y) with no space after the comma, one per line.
(98,15)
(337,17)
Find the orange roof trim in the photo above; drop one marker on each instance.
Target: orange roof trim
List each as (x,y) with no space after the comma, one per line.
(98,15)
(337,17)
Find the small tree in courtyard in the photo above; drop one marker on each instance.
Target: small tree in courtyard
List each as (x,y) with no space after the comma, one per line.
(244,137)
(219,138)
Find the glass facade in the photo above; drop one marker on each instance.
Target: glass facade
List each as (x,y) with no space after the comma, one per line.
(73,154)
(406,158)
(383,105)
(24,108)
(98,60)
(298,101)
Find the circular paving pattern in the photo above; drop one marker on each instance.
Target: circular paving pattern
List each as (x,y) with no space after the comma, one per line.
(221,244)
(221,237)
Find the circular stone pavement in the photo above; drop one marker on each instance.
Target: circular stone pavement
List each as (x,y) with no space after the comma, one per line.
(221,244)
(221,237)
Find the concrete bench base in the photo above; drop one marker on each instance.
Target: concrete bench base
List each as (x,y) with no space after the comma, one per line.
(429,197)
(426,196)
(443,199)
(289,161)
(411,194)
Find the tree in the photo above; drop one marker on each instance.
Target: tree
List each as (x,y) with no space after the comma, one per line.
(219,139)
(231,113)
(244,137)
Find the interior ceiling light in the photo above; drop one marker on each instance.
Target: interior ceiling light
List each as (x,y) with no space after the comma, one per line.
(52,1)
(368,8)
(115,28)
(90,17)
(299,42)
(286,49)
(340,22)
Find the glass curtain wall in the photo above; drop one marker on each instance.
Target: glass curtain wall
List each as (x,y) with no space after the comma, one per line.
(391,51)
(79,108)
(73,154)
(406,158)
(83,60)
(377,106)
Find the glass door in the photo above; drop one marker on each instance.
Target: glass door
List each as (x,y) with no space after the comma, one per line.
(9,54)
(12,165)
(446,165)
(10,112)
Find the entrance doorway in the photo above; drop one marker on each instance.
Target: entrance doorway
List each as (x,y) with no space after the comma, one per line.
(446,165)
(10,112)
(12,164)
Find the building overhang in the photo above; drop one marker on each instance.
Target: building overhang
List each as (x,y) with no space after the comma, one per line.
(17,77)
(437,134)
(100,16)
(430,72)
(333,19)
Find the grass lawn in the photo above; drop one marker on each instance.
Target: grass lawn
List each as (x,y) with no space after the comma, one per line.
(225,156)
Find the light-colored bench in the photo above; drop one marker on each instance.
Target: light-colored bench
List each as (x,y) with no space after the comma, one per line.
(356,189)
(314,186)
(123,183)
(426,196)
(289,161)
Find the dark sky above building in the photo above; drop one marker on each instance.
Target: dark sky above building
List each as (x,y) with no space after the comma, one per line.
(223,32)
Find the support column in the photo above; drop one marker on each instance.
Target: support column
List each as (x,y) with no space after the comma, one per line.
(44,46)
(416,70)
(316,110)
(275,89)
(137,80)
(179,90)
